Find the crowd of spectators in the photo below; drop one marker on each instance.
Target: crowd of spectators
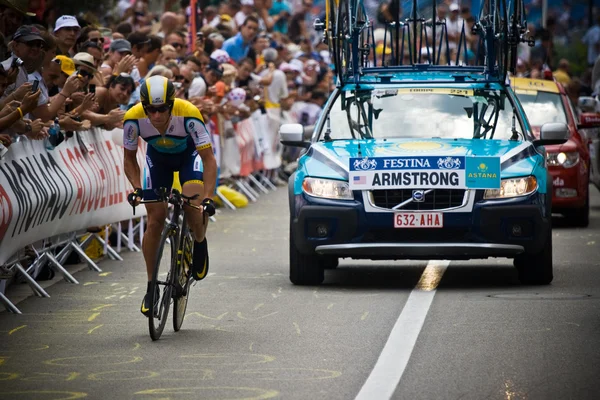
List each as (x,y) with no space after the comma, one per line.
(245,56)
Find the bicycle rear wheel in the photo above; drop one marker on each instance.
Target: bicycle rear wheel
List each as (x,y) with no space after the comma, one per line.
(182,277)
(162,282)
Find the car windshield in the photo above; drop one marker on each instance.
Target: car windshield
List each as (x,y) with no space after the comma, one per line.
(542,107)
(422,113)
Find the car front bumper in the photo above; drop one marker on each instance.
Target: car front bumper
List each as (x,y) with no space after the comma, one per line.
(498,228)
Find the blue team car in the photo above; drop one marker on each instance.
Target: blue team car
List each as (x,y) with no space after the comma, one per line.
(406,167)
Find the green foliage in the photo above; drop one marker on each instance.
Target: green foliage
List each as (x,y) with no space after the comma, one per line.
(574,51)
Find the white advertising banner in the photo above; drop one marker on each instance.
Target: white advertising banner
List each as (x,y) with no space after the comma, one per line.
(79,184)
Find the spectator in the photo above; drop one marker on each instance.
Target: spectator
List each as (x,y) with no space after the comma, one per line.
(562,72)
(116,92)
(592,40)
(177,40)
(89,34)
(10,115)
(11,18)
(26,45)
(119,58)
(280,12)
(238,46)
(66,31)
(185,78)
(168,24)
(48,108)
(247,9)
(168,54)
(212,74)
(151,55)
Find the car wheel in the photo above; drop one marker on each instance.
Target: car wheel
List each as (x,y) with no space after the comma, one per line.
(329,262)
(581,217)
(536,268)
(304,269)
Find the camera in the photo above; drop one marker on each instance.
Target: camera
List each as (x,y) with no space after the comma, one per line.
(177,85)
(16,63)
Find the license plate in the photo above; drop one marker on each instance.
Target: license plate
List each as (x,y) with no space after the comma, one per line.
(418,220)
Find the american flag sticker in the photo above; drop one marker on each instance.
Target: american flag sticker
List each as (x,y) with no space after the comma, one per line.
(359,180)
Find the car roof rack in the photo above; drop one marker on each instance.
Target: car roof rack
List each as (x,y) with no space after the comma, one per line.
(418,44)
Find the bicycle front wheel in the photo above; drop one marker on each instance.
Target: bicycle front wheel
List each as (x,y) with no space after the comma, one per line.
(182,277)
(162,282)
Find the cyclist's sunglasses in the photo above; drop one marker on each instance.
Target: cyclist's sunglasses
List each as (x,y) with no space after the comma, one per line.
(157,109)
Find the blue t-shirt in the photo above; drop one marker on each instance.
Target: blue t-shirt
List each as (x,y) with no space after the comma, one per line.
(282,24)
(236,48)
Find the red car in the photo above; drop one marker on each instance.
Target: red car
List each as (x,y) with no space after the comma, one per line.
(569,164)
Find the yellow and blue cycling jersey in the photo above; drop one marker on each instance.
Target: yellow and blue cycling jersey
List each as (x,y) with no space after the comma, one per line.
(186,123)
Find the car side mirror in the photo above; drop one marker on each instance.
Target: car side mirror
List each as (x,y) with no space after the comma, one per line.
(552,133)
(589,120)
(293,135)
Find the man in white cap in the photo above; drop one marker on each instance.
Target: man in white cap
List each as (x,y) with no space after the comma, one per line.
(66,30)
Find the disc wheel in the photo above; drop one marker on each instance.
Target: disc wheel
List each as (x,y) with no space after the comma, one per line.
(182,279)
(162,283)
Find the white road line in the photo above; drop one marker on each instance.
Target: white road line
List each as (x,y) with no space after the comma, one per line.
(383,380)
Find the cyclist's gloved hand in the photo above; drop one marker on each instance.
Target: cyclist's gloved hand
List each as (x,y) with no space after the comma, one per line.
(209,206)
(135,196)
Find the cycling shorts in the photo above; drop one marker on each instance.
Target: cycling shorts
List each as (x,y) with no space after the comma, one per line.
(161,166)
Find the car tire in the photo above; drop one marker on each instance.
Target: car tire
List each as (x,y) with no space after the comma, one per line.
(329,262)
(304,269)
(581,217)
(536,268)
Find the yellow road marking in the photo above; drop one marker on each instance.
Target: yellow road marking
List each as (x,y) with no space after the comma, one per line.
(94,328)
(431,277)
(102,306)
(3,359)
(93,316)
(297,328)
(251,344)
(256,393)
(105,274)
(90,283)
(110,297)
(16,329)
(218,318)
(364,316)
(258,306)
(72,395)
(329,307)
(241,316)
(137,346)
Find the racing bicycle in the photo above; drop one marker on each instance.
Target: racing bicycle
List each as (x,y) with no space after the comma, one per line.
(177,237)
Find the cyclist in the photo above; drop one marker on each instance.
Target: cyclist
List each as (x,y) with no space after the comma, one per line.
(177,141)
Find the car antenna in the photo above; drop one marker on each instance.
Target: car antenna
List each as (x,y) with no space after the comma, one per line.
(515,134)
(328,131)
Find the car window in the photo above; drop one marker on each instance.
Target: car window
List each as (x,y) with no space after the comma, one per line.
(542,107)
(424,113)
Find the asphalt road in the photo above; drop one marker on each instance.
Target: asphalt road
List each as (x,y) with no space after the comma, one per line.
(467,330)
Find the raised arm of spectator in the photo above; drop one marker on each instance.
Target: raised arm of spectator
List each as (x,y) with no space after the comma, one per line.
(49,110)
(28,104)
(17,95)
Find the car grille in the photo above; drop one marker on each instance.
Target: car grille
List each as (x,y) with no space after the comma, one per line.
(418,235)
(437,199)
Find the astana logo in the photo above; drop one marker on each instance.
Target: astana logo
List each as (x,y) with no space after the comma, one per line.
(448,163)
(365,164)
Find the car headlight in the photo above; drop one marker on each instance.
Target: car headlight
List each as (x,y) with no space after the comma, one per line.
(512,188)
(566,160)
(327,188)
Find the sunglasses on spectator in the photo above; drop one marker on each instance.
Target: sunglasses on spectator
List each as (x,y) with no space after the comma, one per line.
(85,74)
(96,40)
(182,78)
(157,109)
(177,45)
(34,43)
